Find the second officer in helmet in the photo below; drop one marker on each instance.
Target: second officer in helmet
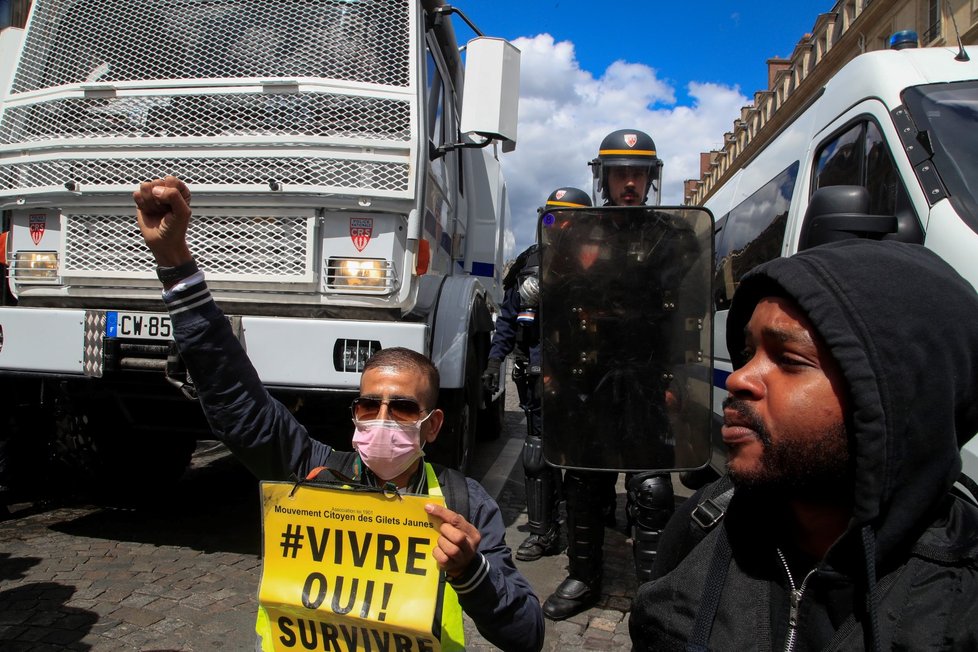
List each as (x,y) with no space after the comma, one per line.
(518,332)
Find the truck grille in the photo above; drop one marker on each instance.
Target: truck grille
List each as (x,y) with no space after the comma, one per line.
(209,90)
(326,174)
(229,247)
(226,114)
(74,41)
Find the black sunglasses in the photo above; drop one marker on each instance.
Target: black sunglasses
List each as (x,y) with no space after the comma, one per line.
(399,409)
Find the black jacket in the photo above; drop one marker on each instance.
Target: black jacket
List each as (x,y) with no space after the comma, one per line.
(904,328)
(508,335)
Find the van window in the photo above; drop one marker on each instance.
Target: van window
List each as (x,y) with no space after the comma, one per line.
(859,156)
(947,113)
(751,233)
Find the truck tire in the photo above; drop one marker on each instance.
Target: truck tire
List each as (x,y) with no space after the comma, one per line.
(26,435)
(124,463)
(456,440)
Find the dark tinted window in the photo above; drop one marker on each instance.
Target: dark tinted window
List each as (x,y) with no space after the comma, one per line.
(882,179)
(948,114)
(859,156)
(752,233)
(839,161)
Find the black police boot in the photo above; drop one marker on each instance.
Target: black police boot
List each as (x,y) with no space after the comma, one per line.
(585,540)
(538,545)
(571,597)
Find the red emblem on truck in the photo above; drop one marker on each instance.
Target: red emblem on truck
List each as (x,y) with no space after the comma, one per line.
(38,223)
(361,228)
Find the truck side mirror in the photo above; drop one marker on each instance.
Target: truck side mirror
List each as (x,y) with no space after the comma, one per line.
(841,213)
(490,98)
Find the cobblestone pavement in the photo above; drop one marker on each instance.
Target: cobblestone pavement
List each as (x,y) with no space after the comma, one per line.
(183,575)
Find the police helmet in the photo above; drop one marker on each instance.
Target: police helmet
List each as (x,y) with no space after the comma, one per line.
(626,148)
(567,198)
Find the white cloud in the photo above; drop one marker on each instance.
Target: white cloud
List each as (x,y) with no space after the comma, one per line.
(566,111)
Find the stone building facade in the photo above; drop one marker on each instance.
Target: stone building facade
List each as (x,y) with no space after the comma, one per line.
(849,29)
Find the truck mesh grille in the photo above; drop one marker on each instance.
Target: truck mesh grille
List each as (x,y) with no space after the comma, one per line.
(185,81)
(306,171)
(77,41)
(226,245)
(181,116)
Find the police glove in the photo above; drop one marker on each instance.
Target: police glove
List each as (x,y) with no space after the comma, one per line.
(490,377)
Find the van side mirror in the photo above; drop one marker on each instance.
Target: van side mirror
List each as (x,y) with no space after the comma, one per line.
(841,213)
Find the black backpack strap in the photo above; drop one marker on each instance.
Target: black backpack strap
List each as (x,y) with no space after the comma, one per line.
(709,511)
(341,466)
(699,638)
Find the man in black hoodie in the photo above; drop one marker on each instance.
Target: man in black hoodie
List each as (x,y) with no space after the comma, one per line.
(855,383)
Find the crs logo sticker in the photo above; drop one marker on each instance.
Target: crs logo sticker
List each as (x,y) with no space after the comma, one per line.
(361,228)
(631,139)
(559,194)
(38,222)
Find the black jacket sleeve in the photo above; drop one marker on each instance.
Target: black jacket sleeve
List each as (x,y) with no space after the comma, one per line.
(258,429)
(493,593)
(504,337)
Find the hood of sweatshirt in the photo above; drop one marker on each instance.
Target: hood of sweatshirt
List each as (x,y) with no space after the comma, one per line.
(903,326)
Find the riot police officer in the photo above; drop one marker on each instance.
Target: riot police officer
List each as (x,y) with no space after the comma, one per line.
(625,171)
(518,332)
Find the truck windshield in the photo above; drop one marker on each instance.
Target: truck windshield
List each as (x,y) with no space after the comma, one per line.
(949,115)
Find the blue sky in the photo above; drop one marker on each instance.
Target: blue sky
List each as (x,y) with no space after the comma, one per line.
(679,71)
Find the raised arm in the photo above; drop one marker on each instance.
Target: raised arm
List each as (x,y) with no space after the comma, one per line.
(259,430)
(163,213)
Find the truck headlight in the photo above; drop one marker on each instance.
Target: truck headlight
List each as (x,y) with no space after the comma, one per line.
(365,273)
(35,266)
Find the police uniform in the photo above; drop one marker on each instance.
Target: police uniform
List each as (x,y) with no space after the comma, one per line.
(518,332)
(611,359)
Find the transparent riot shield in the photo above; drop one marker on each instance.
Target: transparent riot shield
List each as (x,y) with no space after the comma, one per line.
(626,335)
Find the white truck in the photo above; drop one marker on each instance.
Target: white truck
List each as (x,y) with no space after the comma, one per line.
(347,197)
(887,149)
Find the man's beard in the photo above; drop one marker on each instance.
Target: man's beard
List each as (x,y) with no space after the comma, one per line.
(812,465)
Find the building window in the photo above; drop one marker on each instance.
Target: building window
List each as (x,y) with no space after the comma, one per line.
(933,21)
(4,13)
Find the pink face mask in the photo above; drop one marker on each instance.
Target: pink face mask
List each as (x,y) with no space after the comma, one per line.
(388,448)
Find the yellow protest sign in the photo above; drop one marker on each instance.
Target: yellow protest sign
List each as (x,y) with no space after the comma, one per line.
(347,570)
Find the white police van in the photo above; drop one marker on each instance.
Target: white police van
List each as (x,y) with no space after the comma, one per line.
(888,148)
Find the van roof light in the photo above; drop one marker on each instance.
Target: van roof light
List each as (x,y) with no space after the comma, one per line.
(905,38)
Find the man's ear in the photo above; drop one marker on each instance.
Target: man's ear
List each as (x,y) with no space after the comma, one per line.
(434,423)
